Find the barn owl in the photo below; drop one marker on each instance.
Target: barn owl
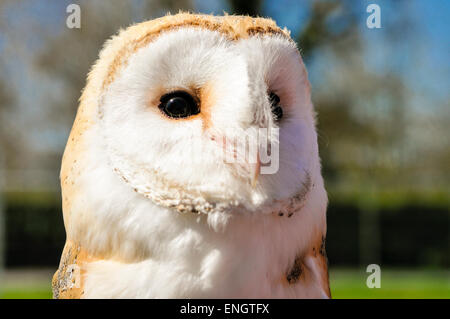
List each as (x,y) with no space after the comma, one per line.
(147,214)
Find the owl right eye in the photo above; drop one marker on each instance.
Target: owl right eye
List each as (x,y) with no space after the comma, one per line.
(178,104)
(276,108)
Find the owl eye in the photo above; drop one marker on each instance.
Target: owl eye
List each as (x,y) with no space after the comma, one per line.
(178,104)
(276,108)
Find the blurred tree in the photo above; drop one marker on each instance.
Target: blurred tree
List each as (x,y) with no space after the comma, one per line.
(361,113)
(9,144)
(317,32)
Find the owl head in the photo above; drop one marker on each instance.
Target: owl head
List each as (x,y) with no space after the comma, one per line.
(195,113)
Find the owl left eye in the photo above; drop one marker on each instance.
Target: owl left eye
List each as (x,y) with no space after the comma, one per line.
(178,104)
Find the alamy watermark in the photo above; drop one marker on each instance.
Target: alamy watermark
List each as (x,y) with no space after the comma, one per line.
(374,19)
(73,20)
(254,149)
(374,279)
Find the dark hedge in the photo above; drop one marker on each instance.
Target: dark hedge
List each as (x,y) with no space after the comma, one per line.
(408,236)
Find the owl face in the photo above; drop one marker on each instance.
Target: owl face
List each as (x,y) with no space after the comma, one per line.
(194,115)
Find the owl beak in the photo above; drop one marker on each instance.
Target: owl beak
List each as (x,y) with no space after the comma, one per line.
(255,171)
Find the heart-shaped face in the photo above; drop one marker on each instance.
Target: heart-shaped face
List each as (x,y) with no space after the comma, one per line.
(198,114)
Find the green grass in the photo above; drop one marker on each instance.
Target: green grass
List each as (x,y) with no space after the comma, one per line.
(29,293)
(345,283)
(402,284)
(26,284)
(38,289)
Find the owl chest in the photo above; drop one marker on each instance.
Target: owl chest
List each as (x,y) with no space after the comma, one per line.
(245,261)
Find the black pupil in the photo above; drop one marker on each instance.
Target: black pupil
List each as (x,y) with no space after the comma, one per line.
(276,108)
(178,104)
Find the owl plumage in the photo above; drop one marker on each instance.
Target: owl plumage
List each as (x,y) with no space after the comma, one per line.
(144,220)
